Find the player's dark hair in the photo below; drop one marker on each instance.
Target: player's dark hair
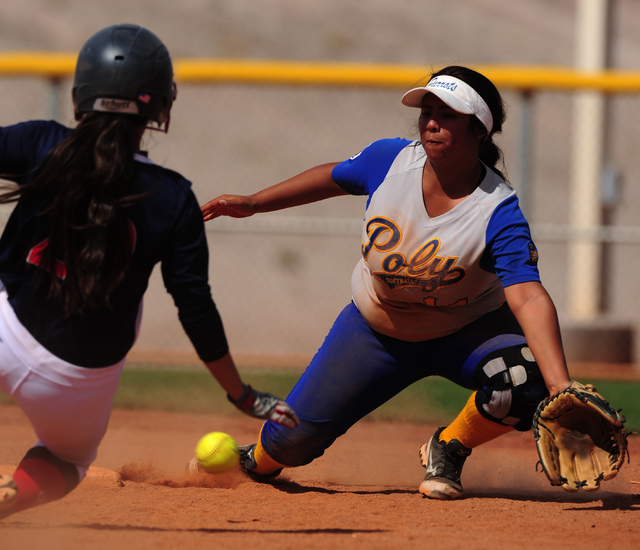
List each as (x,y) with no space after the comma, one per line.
(88,177)
(490,153)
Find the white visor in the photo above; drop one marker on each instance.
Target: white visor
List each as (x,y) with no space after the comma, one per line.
(456,94)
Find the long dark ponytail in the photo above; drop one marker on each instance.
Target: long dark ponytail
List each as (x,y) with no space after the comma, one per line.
(88,177)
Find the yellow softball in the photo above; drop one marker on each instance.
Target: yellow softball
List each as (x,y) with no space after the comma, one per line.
(217,452)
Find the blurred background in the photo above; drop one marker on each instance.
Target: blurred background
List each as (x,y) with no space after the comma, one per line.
(280,279)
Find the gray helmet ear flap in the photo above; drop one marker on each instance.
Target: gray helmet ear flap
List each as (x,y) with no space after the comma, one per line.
(124,69)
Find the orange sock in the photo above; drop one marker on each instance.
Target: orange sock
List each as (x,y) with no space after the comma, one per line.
(471,428)
(264,463)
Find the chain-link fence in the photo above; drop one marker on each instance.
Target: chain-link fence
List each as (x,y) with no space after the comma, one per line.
(280,279)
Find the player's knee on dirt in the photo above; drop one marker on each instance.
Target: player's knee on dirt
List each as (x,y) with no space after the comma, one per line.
(511,387)
(298,446)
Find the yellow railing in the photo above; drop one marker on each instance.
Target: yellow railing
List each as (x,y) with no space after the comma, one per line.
(303,73)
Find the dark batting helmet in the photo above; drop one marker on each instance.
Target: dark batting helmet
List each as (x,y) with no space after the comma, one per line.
(125,69)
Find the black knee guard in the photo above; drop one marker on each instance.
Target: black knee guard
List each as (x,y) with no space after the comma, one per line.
(510,387)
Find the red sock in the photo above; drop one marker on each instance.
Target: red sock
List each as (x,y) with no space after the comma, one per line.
(38,482)
(41,478)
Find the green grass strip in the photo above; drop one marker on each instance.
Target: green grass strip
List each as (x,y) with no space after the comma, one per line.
(432,400)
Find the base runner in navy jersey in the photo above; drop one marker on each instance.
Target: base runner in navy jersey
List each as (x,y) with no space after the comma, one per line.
(447,285)
(93,216)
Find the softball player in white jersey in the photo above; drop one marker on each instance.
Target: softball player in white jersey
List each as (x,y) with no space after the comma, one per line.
(447,285)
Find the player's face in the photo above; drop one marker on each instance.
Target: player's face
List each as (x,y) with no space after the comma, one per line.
(445,133)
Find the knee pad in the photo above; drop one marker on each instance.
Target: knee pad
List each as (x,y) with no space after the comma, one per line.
(510,387)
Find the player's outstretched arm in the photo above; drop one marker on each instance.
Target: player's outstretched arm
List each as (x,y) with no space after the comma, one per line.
(234,206)
(251,402)
(536,313)
(310,186)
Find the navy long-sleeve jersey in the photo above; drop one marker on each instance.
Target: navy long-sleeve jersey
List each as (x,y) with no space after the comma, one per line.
(166,226)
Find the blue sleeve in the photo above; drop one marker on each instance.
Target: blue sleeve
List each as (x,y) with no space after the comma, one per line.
(364,172)
(512,255)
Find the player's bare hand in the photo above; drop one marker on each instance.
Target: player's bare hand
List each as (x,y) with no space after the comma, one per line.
(235,206)
(266,406)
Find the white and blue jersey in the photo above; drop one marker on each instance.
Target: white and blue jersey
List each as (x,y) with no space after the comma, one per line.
(422,277)
(166,227)
(428,300)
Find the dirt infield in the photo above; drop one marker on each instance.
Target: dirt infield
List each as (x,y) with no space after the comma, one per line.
(361,494)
